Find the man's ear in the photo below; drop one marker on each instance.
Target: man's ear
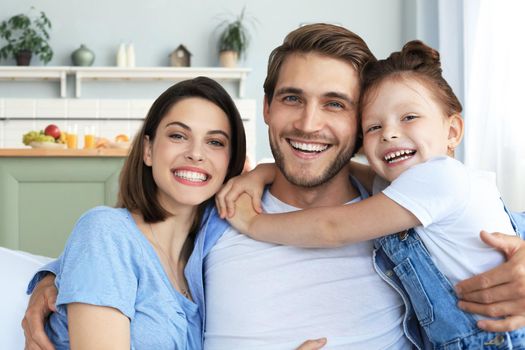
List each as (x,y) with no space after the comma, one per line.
(455,132)
(147,151)
(266,110)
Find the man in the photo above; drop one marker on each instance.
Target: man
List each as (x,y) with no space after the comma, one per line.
(260,295)
(263,296)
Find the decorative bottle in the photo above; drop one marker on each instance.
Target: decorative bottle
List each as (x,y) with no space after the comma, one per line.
(130,54)
(121,56)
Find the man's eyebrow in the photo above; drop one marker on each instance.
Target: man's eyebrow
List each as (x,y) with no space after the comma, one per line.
(186,127)
(331,94)
(289,90)
(341,96)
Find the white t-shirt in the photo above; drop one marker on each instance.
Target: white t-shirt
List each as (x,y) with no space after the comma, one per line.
(267,296)
(453,203)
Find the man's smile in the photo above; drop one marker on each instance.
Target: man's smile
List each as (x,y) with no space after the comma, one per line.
(308,147)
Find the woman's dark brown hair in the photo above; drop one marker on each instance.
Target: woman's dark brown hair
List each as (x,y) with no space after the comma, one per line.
(138,190)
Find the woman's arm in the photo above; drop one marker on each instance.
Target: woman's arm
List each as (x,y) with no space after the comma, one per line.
(327,226)
(97,327)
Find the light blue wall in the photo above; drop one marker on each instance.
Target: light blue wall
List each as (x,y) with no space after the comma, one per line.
(158,26)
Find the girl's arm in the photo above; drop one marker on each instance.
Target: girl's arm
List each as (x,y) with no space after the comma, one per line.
(326,226)
(97,327)
(252,183)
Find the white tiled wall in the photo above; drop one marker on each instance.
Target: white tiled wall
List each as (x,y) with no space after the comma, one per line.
(50,108)
(18,116)
(246,108)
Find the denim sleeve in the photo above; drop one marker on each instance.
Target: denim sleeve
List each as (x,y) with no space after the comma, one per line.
(51,267)
(519,219)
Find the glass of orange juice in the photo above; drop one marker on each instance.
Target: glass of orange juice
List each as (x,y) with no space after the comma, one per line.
(89,137)
(71,137)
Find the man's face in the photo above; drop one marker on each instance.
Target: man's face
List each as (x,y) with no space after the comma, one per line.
(311,119)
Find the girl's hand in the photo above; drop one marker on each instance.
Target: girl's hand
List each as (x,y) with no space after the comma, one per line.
(251,183)
(244,214)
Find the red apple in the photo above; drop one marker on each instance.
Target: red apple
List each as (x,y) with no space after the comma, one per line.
(53,131)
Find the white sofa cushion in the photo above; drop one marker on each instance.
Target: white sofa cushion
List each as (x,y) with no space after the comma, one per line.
(16,269)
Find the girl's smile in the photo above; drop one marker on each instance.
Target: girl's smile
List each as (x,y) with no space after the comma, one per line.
(403,125)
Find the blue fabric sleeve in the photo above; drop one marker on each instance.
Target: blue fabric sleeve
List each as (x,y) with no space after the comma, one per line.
(100,263)
(51,267)
(519,218)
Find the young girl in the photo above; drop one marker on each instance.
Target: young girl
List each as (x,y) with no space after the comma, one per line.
(411,124)
(122,280)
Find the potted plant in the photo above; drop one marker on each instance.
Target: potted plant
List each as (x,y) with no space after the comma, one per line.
(234,39)
(26,37)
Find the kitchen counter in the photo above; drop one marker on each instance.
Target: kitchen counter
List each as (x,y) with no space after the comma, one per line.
(45,152)
(43,192)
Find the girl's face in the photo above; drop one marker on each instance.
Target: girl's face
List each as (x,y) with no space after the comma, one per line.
(404,125)
(190,153)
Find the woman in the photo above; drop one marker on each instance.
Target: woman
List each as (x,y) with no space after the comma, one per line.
(122,281)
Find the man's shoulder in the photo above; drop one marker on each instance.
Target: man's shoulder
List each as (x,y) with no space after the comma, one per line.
(354,182)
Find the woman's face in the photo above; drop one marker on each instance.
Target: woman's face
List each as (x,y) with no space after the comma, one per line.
(190,153)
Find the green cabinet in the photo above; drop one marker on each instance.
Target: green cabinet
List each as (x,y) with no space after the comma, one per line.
(41,198)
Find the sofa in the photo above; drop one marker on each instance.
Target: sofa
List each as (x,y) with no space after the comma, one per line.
(16,269)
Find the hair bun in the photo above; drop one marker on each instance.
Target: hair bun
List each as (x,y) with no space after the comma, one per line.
(419,54)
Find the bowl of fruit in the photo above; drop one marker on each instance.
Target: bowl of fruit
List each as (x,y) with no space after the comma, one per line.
(51,137)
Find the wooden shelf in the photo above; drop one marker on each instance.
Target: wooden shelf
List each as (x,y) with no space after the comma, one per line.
(36,73)
(81,74)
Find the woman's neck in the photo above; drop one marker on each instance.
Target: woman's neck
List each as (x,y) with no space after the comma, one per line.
(169,239)
(170,234)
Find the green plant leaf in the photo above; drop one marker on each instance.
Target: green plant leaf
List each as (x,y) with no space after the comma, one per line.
(23,33)
(235,35)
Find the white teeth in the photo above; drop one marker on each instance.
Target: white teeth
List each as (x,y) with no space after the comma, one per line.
(399,155)
(191,175)
(309,147)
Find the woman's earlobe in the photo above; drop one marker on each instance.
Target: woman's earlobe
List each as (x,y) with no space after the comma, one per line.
(147,151)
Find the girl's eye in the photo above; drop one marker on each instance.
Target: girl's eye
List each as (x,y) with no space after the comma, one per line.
(372,128)
(409,117)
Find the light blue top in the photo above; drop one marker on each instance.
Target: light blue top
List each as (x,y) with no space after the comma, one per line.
(108,262)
